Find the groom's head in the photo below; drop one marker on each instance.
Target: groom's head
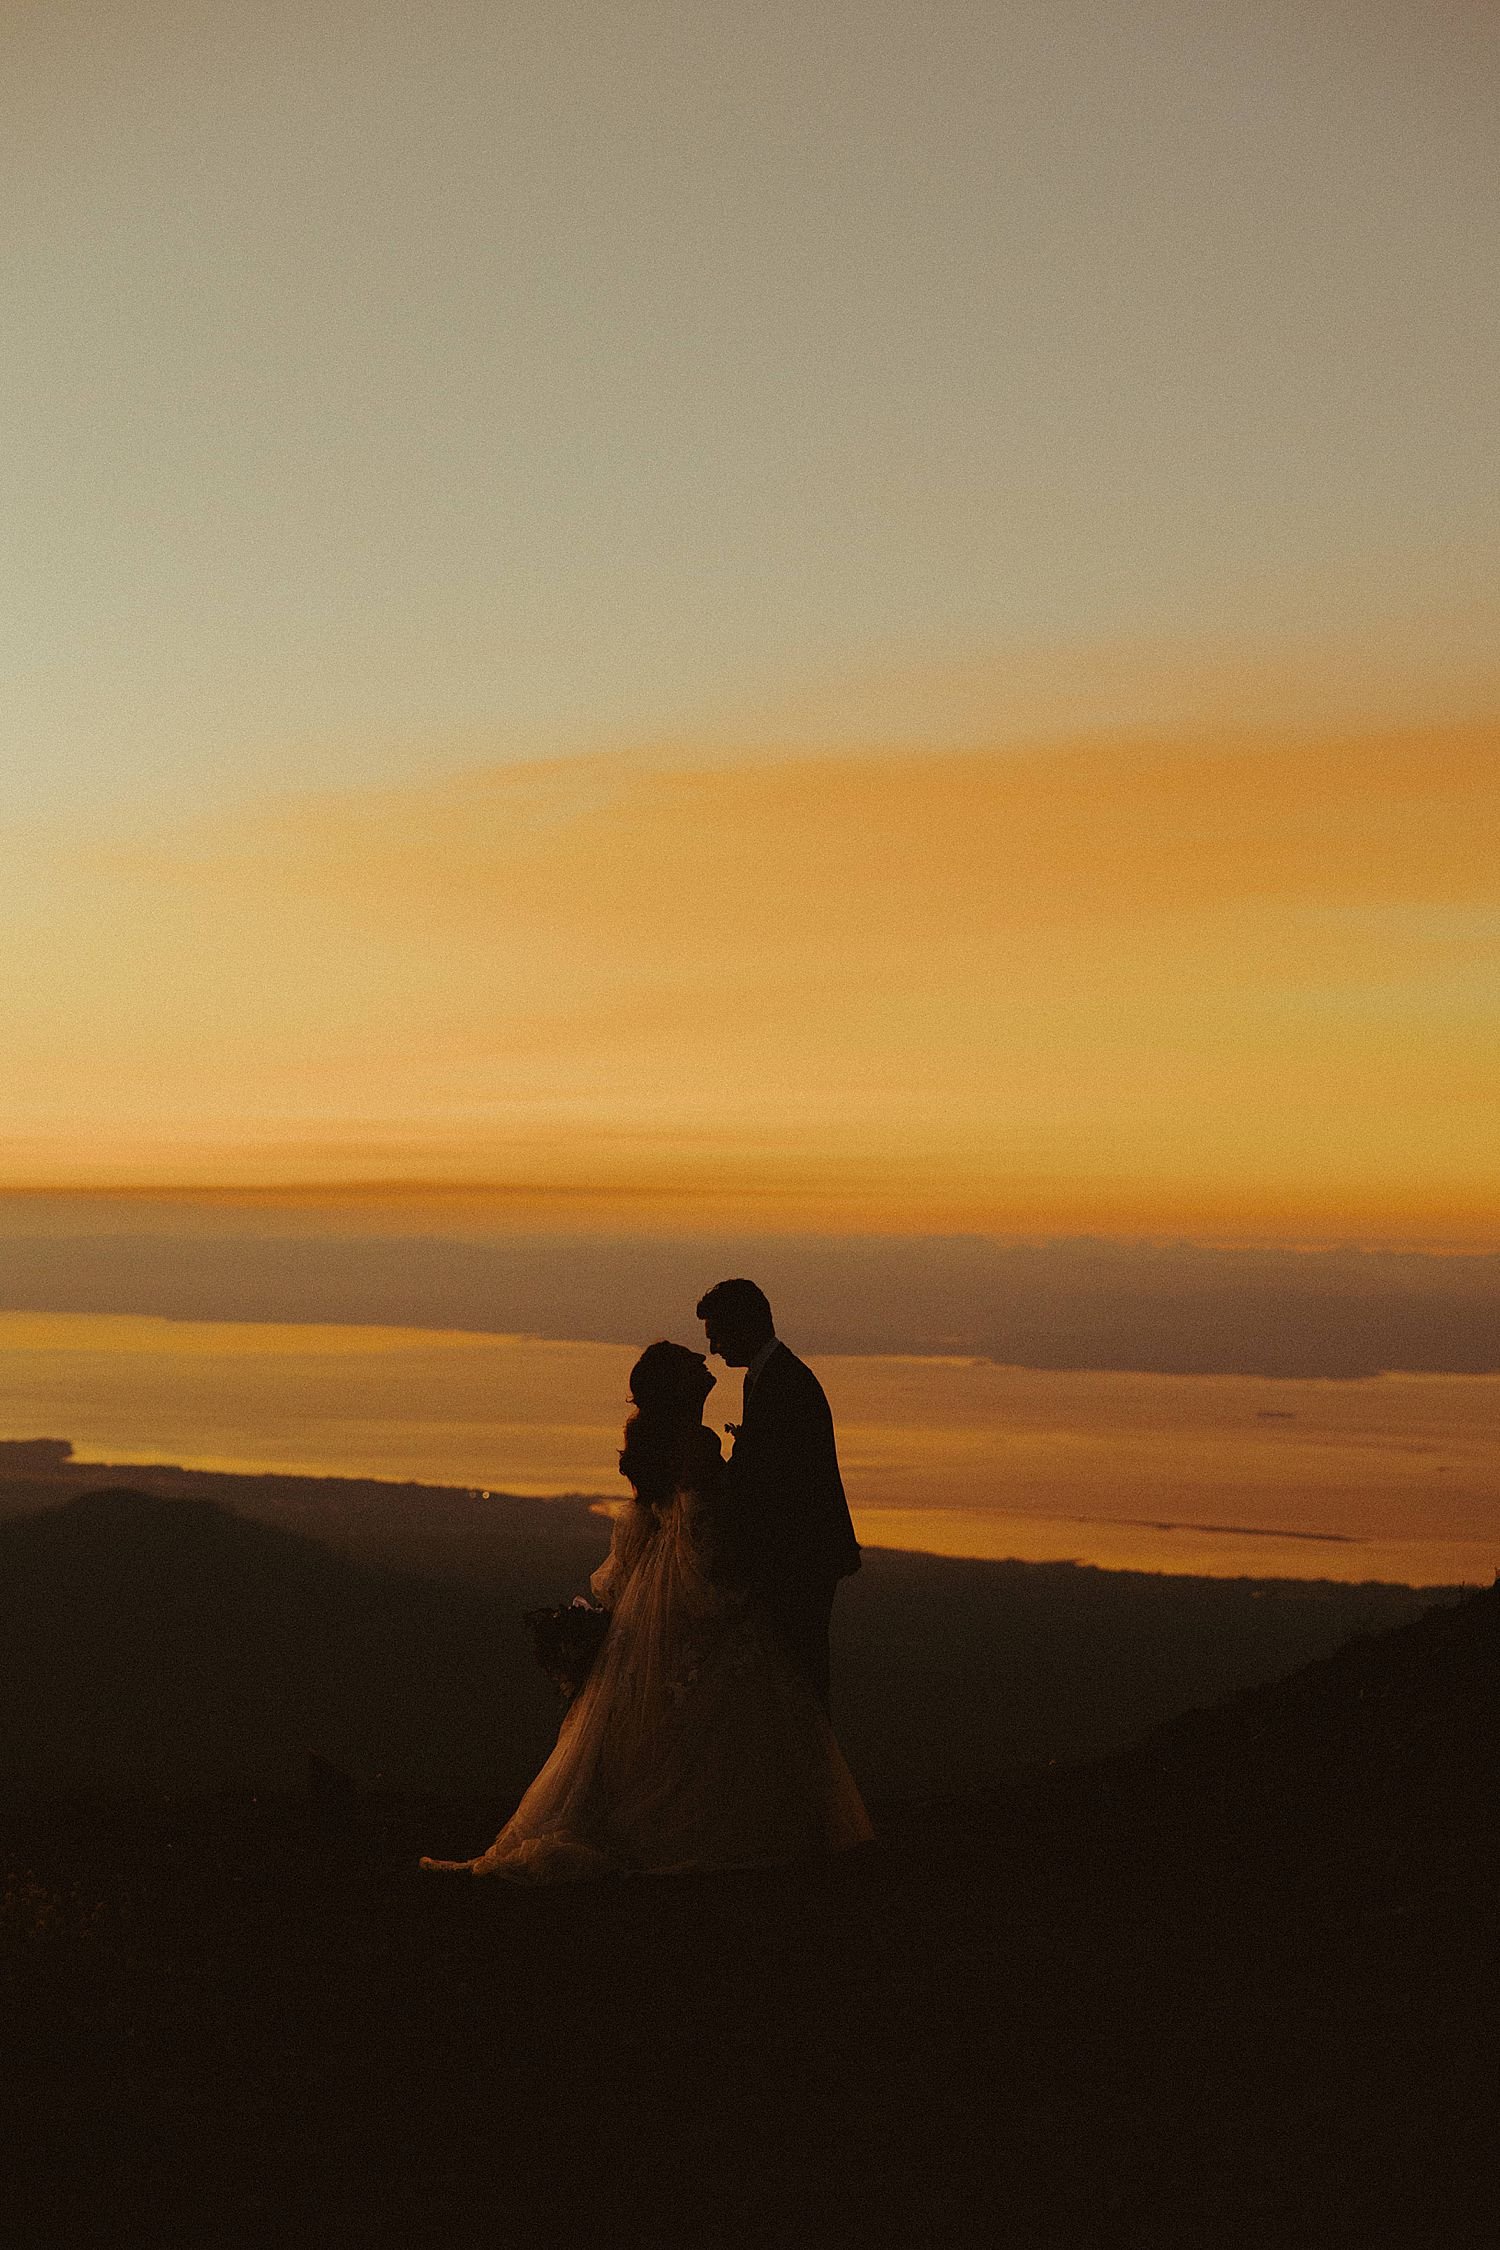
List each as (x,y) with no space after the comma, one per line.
(736,1317)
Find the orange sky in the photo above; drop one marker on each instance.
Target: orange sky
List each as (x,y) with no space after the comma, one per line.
(1222,987)
(793,618)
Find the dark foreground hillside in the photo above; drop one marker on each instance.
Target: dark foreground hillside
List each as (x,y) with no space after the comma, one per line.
(208,1631)
(1235,1987)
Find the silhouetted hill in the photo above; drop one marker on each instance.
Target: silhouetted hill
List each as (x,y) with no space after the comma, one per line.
(1234,1987)
(1271,1970)
(169,1644)
(1382,1760)
(953,1673)
(194,1633)
(491,1541)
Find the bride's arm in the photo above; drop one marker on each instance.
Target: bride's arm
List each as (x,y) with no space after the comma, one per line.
(608,1582)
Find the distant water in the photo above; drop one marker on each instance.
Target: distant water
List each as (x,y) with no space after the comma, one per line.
(1396,1478)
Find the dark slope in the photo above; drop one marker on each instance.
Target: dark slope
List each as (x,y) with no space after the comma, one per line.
(950,1674)
(481,1540)
(1276,1937)
(150,1643)
(1390,1744)
(1237,1988)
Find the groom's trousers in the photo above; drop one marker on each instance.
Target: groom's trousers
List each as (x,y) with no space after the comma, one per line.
(801,1614)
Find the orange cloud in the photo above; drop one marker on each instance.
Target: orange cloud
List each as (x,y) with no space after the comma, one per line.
(1202,988)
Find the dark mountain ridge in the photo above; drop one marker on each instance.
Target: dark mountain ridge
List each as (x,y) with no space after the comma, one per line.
(1235,1985)
(1369,1779)
(150,1644)
(159,1639)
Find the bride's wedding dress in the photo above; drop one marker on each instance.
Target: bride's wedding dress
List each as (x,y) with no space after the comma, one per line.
(695,1741)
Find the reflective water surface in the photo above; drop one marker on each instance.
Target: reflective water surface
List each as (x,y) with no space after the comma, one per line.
(1395,1478)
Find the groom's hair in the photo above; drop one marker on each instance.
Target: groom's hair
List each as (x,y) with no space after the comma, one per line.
(739,1301)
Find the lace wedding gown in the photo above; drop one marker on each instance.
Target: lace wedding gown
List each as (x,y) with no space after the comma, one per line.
(695,1742)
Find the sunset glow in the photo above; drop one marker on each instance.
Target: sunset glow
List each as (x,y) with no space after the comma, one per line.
(837,661)
(814,632)
(1226,990)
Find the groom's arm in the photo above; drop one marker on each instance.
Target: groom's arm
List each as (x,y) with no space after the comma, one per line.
(828,1529)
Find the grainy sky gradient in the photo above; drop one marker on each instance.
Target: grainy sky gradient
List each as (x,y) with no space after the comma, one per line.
(1224,992)
(866,618)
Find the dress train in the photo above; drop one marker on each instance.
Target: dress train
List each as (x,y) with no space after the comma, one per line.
(695,1741)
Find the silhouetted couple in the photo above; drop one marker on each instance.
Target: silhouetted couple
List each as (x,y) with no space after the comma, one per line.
(700,1738)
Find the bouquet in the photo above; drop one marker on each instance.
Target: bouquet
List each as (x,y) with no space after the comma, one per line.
(567,1640)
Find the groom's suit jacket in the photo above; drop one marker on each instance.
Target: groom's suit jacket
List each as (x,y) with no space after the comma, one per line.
(787,1496)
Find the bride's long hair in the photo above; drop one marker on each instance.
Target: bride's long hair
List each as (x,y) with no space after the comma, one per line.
(667,1385)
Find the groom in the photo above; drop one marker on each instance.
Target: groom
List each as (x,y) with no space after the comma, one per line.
(784,1482)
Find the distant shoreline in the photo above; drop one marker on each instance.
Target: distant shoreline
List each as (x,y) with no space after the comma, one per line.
(45,1467)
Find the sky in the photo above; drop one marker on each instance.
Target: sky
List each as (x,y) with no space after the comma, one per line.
(855,620)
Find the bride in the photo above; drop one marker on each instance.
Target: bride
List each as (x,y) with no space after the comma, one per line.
(695,1741)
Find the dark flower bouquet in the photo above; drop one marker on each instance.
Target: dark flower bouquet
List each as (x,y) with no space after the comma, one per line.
(567,1640)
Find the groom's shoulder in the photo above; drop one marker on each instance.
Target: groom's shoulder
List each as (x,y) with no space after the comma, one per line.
(794,1374)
